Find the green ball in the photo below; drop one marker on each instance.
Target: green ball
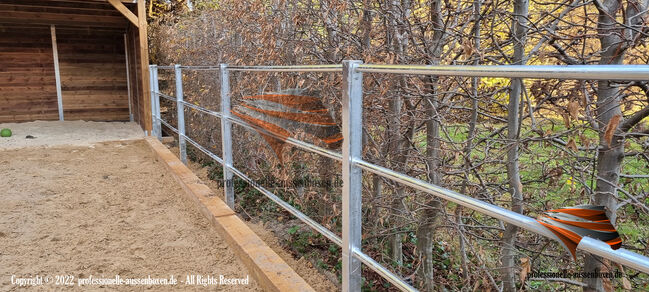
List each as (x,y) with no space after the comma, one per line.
(5,133)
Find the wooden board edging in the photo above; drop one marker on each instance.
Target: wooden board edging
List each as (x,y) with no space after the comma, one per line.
(269,270)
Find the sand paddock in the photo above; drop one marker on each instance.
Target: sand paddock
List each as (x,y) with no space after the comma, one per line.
(68,133)
(89,198)
(107,209)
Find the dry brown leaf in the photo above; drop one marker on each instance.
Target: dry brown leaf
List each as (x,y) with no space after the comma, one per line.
(526,267)
(486,285)
(547,133)
(467,47)
(566,120)
(606,282)
(572,145)
(626,284)
(584,141)
(476,286)
(610,129)
(573,109)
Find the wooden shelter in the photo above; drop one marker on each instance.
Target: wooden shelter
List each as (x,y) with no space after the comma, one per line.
(74,60)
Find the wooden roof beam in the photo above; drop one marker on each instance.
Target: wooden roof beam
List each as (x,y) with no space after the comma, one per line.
(125,11)
(61,19)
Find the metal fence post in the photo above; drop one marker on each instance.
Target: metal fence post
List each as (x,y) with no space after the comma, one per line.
(352,175)
(226,135)
(153,68)
(182,145)
(156,95)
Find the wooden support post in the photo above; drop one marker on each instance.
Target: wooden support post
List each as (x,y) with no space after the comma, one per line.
(125,11)
(144,67)
(128,79)
(57,72)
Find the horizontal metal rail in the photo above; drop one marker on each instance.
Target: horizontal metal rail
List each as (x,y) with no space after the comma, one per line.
(167,97)
(201,109)
(622,256)
(297,68)
(165,67)
(595,72)
(216,68)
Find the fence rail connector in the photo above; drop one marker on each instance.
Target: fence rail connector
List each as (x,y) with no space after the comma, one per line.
(352,102)
(226,135)
(182,145)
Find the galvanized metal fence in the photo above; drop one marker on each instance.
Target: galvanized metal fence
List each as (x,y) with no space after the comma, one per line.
(353,163)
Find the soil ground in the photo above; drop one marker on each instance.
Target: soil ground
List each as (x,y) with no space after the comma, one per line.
(104,210)
(87,198)
(72,133)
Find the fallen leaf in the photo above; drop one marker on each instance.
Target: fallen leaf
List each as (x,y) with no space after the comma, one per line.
(571,144)
(626,284)
(476,286)
(584,141)
(606,282)
(566,120)
(610,128)
(525,269)
(573,109)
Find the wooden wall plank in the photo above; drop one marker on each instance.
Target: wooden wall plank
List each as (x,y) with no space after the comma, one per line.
(91,58)
(62,19)
(27,90)
(132,35)
(93,74)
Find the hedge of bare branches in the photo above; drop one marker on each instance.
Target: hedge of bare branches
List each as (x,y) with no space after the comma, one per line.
(527,145)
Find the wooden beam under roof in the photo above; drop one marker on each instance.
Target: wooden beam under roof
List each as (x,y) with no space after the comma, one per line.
(95,1)
(61,19)
(63,12)
(125,11)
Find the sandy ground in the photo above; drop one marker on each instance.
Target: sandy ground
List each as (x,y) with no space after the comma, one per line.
(57,133)
(103,210)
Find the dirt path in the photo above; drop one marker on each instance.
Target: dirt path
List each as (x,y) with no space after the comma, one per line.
(103,210)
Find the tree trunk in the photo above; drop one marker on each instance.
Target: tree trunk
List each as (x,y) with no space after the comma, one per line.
(475,81)
(609,156)
(401,12)
(428,222)
(396,156)
(513,125)
(427,225)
